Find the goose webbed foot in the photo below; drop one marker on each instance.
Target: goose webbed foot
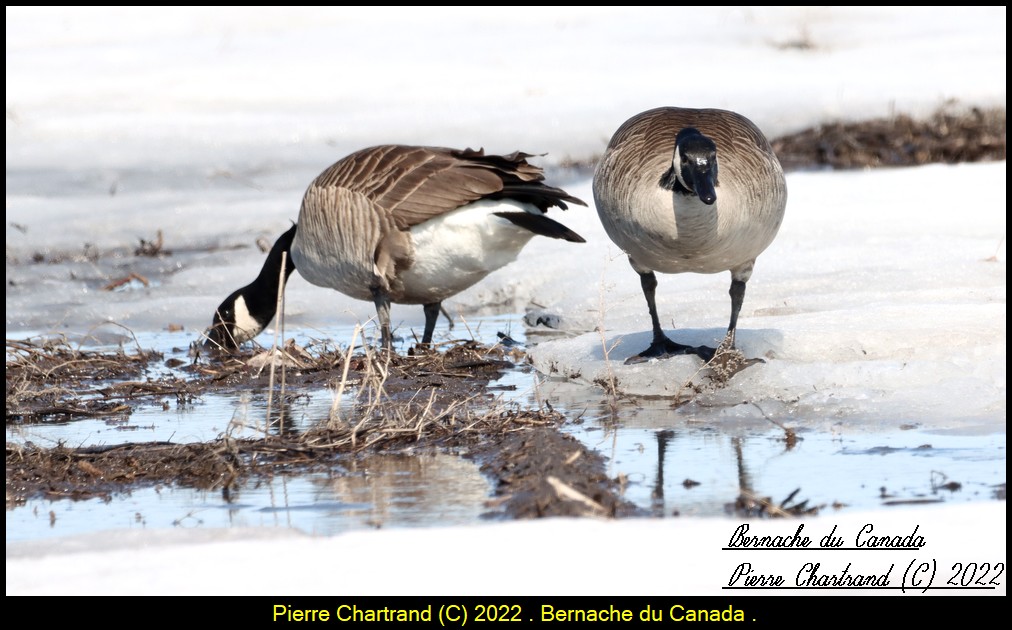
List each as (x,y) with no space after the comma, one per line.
(422,348)
(725,360)
(664,348)
(706,353)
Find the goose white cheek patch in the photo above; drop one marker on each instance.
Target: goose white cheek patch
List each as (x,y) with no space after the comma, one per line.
(245,326)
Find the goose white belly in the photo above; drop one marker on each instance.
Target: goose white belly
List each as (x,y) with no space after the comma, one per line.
(449,253)
(688,237)
(456,250)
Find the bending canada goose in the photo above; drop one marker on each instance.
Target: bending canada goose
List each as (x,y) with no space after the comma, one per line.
(402,224)
(690,190)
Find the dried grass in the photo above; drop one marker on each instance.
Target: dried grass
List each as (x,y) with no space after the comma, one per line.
(397,403)
(949,136)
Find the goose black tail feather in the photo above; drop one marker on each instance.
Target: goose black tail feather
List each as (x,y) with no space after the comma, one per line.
(542,225)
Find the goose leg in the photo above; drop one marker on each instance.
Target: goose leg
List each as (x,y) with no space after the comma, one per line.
(382,302)
(432,311)
(729,360)
(737,293)
(446,314)
(661,346)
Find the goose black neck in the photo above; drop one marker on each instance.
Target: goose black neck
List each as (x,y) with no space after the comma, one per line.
(262,294)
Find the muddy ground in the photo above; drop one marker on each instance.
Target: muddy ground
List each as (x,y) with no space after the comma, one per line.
(436,399)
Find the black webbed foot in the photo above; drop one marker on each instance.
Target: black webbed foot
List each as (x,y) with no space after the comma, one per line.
(665,348)
(725,359)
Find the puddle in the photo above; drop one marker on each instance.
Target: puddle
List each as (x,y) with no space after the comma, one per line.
(388,490)
(670,462)
(693,466)
(697,471)
(369,492)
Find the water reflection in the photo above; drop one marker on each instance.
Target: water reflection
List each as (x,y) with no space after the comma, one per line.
(657,495)
(384,490)
(681,461)
(401,490)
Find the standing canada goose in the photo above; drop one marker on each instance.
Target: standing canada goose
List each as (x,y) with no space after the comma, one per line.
(402,224)
(690,190)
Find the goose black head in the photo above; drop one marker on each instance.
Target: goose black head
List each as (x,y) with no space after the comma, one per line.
(694,165)
(247,311)
(233,323)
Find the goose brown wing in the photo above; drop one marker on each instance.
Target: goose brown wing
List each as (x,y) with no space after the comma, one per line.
(415,184)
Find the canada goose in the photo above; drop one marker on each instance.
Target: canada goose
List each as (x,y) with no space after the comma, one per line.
(402,224)
(690,190)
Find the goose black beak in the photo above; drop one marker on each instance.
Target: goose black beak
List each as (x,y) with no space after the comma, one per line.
(217,338)
(221,336)
(703,184)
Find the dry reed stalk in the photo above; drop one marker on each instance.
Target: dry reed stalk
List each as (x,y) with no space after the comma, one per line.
(281,327)
(334,419)
(565,491)
(611,385)
(274,349)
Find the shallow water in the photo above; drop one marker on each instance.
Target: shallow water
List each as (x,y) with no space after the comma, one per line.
(368,492)
(698,470)
(672,462)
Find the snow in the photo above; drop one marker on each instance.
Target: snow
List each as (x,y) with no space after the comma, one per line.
(587,557)
(882,297)
(876,289)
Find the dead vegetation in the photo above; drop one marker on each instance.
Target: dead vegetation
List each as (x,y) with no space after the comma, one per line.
(748,505)
(426,400)
(51,379)
(221,464)
(948,137)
